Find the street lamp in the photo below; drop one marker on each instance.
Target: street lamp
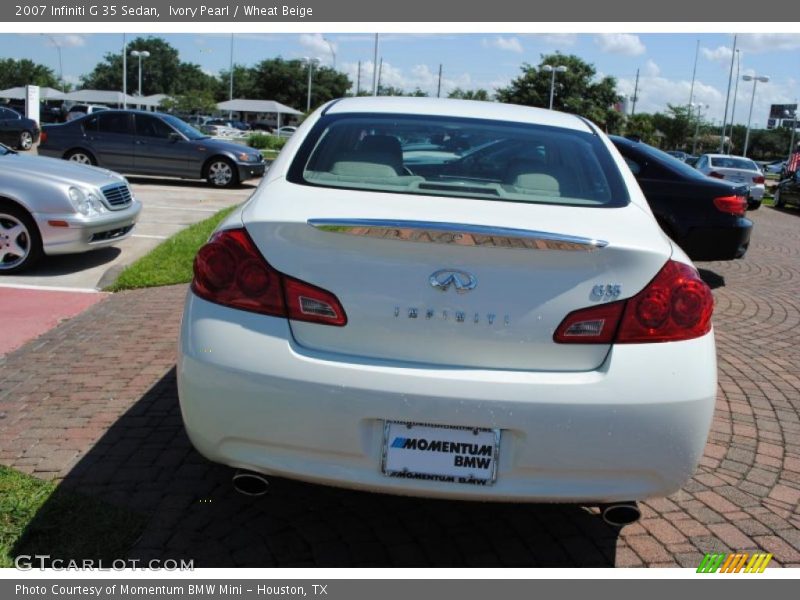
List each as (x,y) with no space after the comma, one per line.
(699,106)
(60,64)
(311,62)
(333,52)
(553,70)
(755,79)
(140,54)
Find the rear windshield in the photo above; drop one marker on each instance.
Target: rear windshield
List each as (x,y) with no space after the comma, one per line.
(469,158)
(732,162)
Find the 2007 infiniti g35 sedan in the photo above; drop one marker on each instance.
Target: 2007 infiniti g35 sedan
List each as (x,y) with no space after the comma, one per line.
(451,299)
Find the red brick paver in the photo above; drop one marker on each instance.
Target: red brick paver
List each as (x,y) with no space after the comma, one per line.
(28,313)
(93,403)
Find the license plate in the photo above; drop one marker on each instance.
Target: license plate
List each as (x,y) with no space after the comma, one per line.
(440,453)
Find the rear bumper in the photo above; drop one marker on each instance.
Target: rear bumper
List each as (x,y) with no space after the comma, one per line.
(636,427)
(86,233)
(718,243)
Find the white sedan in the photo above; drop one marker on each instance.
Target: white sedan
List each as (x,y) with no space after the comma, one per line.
(507,323)
(736,169)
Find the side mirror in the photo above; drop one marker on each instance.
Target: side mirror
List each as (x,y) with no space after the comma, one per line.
(174,137)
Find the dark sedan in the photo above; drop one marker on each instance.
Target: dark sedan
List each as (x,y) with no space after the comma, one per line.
(17,131)
(704,216)
(788,191)
(145,143)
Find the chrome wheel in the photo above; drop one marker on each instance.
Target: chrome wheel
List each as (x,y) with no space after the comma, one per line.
(15,242)
(80,157)
(220,173)
(26,140)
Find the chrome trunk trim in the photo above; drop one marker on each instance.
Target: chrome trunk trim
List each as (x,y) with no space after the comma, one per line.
(460,234)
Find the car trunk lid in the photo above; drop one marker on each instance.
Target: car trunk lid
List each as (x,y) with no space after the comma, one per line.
(485,291)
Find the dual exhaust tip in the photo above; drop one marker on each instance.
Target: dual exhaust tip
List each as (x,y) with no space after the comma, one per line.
(617,515)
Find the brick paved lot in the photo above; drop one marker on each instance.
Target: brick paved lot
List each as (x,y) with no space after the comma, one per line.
(93,403)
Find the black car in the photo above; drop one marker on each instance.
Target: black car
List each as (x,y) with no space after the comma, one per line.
(788,191)
(704,216)
(17,131)
(149,143)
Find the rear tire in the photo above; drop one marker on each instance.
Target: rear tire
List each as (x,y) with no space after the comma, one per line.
(779,203)
(25,141)
(221,173)
(20,240)
(83,157)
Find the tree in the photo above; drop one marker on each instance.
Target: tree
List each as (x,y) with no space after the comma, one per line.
(641,125)
(677,125)
(286,81)
(479,94)
(15,73)
(244,85)
(390,90)
(202,102)
(576,91)
(162,71)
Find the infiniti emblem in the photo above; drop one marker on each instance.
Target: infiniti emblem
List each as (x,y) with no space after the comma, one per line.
(461,280)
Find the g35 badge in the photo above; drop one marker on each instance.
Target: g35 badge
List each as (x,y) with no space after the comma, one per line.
(609,291)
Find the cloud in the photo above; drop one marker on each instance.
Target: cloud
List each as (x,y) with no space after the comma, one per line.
(318,46)
(768,42)
(626,44)
(66,40)
(418,76)
(510,44)
(655,92)
(651,69)
(559,40)
(719,54)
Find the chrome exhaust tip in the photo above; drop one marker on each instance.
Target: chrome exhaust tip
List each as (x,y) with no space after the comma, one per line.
(249,483)
(620,514)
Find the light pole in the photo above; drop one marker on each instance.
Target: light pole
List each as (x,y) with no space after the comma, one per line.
(333,52)
(553,70)
(755,79)
(124,71)
(60,64)
(311,62)
(230,82)
(700,106)
(140,54)
(735,92)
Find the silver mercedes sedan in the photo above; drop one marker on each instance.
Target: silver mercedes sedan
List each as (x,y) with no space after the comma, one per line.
(50,206)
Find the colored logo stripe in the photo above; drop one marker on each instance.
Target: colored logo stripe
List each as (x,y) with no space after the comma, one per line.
(734,563)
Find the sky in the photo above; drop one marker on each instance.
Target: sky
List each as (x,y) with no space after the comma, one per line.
(490,61)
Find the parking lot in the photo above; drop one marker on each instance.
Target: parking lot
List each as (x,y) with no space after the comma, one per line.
(93,403)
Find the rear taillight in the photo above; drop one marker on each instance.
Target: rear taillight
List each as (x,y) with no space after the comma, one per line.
(676,305)
(758,179)
(716,175)
(734,205)
(42,137)
(229,270)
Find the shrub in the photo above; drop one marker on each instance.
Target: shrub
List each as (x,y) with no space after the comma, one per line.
(263,141)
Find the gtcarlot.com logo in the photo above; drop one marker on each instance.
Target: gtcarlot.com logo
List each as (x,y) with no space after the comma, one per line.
(26,562)
(734,563)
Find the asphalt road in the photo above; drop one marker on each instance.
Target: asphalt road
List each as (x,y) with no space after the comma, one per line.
(169,205)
